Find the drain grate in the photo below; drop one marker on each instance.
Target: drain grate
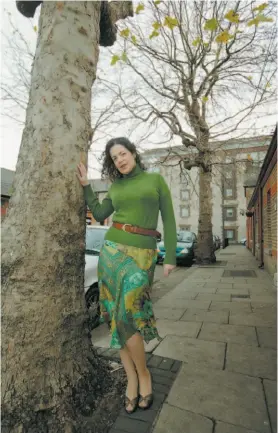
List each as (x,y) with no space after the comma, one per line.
(244,274)
(241,296)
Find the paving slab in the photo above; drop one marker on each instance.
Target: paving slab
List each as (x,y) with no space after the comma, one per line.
(193,314)
(222,427)
(230,306)
(233,291)
(264,299)
(174,295)
(229,333)
(175,420)
(213,297)
(259,290)
(258,318)
(267,337)
(204,290)
(168,313)
(191,350)
(182,303)
(222,395)
(219,285)
(271,398)
(182,329)
(254,361)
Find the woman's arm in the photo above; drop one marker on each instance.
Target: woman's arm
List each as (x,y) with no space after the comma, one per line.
(100,211)
(169,222)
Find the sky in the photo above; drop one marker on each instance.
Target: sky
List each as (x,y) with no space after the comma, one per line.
(11,131)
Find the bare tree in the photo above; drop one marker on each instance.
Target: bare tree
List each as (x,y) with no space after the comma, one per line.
(50,373)
(197,72)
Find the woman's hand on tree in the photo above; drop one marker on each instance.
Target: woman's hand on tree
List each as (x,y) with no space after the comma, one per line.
(82,174)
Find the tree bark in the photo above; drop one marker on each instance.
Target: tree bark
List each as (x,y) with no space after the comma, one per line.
(50,373)
(205,253)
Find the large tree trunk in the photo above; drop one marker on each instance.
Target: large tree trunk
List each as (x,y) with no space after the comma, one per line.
(49,370)
(205,253)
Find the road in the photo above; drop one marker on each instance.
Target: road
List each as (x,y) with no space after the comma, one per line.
(163,285)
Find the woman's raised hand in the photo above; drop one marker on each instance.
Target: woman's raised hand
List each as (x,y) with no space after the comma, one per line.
(82,174)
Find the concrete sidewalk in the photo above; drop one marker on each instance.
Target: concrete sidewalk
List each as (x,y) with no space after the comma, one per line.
(222,326)
(220,322)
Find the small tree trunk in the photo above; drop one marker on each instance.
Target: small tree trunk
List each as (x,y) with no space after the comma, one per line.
(205,253)
(49,370)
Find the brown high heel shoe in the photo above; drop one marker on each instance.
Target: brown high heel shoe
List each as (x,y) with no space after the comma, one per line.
(148,399)
(133,403)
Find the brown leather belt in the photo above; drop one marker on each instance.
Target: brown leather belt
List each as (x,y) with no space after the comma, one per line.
(136,230)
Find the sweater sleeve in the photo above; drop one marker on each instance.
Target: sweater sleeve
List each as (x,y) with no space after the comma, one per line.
(169,222)
(100,211)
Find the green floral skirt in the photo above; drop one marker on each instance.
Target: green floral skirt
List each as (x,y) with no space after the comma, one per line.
(125,277)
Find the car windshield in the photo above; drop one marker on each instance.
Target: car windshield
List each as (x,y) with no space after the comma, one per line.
(184,237)
(94,239)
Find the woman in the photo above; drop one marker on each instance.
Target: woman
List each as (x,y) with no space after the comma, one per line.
(128,258)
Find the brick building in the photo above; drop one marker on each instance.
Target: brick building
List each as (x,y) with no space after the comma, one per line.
(261,224)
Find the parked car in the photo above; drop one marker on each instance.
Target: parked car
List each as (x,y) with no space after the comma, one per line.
(185,251)
(243,241)
(94,241)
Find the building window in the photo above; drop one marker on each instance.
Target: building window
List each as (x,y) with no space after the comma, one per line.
(230,234)
(184,194)
(228,193)
(230,213)
(184,211)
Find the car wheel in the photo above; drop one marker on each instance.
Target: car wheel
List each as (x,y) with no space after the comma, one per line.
(92,304)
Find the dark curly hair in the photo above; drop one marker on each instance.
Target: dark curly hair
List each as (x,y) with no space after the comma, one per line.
(108,167)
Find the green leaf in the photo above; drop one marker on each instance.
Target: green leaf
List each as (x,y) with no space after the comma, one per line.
(139,8)
(196,42)
(157,2)
(170,22)
(260,8)
(114,60)
(124,57)
(250,78)
(211,24)
(259,19)
(205,98)
(156,25)
(125,33)
(206,44)
(223,37)
(134,40)
(232,16)
(154,34)
(35,28)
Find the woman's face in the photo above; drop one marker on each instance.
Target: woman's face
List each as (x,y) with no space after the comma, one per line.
(123,159)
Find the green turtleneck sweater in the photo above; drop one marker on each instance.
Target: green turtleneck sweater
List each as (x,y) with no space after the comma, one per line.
(136,199)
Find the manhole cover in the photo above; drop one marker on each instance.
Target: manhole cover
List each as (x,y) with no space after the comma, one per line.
(244,274)
(241,296)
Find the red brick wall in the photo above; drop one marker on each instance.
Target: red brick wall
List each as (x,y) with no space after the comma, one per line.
(270,214)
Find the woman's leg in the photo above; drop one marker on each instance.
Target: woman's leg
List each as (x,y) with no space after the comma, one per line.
(135,345)
(132,379)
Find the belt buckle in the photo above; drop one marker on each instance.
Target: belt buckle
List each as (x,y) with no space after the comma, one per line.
(125,226)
